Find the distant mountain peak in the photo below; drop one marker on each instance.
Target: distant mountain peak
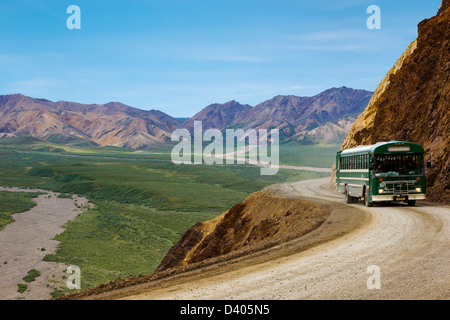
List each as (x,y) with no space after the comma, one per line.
(218,115)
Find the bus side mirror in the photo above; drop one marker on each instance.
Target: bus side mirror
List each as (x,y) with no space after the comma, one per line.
(428,164)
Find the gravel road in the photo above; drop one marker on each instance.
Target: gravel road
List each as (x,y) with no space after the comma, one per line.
(397,252)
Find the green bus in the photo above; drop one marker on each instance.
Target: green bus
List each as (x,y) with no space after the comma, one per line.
(386,171)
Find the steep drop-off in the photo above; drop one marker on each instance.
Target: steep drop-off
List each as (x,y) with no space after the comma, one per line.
(412,102)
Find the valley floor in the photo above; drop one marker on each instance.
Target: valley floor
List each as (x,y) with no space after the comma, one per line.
(24,243)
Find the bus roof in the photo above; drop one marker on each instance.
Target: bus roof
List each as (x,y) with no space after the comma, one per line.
(385,148)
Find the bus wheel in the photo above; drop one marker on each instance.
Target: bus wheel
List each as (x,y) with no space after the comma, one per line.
(411,203)
(348,198)
(366,198)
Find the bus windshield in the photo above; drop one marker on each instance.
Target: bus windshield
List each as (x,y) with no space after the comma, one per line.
(399,164)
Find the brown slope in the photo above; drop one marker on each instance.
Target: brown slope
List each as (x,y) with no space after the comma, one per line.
(260,221)
(412,102)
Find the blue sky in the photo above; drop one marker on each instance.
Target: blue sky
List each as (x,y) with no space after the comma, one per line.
(179,56)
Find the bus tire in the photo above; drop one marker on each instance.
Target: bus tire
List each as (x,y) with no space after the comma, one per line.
(366,198)
(348,197)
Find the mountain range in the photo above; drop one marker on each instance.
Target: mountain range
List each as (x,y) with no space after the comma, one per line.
(325,117)
(114,123)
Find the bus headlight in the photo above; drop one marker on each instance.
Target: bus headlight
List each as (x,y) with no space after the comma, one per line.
(380,190)
(418,189)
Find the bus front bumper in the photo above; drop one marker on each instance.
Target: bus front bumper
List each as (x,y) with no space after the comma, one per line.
(387,197)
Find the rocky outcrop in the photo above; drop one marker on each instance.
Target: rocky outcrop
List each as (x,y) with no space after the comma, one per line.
(412,102)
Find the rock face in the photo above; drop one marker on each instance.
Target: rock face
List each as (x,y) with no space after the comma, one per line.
(113,124)
(262,220)
(412,102)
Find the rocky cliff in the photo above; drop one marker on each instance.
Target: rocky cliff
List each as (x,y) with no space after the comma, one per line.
(412,102)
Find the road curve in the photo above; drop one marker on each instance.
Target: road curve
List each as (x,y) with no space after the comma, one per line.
(400,252)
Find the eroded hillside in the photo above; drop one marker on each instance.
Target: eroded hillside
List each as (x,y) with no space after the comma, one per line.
(260,221)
